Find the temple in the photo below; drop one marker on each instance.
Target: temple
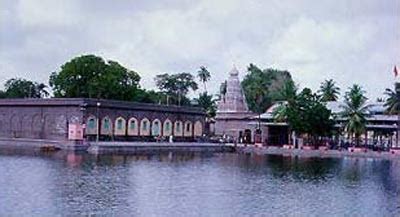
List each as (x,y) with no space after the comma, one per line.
(233,115)
(236,123)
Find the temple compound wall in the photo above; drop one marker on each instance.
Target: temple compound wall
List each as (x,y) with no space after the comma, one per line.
(55,119)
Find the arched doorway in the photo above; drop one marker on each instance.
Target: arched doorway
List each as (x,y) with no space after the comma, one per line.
(247,136)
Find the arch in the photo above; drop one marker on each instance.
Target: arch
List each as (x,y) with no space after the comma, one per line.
(145,127)
(198,128)
(120,126)
(188,129)
(156,128)
(37,126)
(3,126)
(26,126)
(106,126)
(91,125)
(247,136)
(133,128)
(178,131)
(15,126)
(50,126)
(167,128)
(61,122)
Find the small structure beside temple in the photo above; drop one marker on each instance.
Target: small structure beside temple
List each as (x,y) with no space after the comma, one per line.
(233,114)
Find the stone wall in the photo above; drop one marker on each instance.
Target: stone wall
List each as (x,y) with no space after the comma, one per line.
(49,119)
(35,120)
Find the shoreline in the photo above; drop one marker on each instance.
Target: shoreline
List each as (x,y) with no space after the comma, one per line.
(316,153)
(133,148)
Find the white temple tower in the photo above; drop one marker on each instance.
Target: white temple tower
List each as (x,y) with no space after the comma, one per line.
(233,114)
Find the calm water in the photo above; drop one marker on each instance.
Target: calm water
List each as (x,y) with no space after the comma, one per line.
(193,185)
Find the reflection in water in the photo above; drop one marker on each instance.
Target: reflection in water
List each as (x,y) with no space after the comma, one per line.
(37,184)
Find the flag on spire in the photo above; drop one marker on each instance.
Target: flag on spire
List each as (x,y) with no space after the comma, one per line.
(395,71)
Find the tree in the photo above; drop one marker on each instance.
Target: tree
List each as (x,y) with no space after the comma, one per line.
(22,88)
(176,86)
(329,91)
(288,107)
(204,76)
(3,94)
(91,76)
(304,113)
(222,90)
(393,100)
(393,105)
(267,82)
(355,112)
(207,102)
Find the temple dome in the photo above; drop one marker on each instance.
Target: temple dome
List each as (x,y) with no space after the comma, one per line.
(234,72)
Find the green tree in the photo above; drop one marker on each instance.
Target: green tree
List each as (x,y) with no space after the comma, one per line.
(393,100)
(329,91)
(222,90)
(3,94)
(305,113)
(262,87)
(392,104)
(22,88)
(91,76)
(177,86)
(204,75)
(207,102)
(355,111)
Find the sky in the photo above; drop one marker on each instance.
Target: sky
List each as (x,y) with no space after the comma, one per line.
(350,41)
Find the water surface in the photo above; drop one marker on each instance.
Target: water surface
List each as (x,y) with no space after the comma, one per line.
(195,185)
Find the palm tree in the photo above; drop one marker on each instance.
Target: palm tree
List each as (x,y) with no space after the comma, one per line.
(204,76)
(329,91)
(393,105)
(393,101)
(355,111)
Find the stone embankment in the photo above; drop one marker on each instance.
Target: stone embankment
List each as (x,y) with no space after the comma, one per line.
(155,147)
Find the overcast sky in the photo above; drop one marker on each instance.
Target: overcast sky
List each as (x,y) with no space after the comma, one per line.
(351,41)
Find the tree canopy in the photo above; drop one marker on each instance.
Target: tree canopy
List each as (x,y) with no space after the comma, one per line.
(305,113)
(329,91)
(91,76)
(22,88)
(208,103)
(176,86)
(204,75)
(393,100)
(262,87)
(355,111)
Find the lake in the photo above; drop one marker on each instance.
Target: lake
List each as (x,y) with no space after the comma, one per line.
(34,184)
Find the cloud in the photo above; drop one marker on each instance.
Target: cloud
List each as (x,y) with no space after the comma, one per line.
(47,13)
(347,41)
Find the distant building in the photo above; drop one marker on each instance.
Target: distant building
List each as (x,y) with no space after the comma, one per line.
(233,114)
(235,121)
(381,128)
(89,119)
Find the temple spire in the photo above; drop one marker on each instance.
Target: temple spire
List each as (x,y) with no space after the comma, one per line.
(234,98)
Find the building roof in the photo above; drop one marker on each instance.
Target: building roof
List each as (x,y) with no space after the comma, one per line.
(376,111)
(88,102)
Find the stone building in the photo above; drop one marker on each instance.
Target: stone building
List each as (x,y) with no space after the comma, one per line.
(57,119)
(233,115)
